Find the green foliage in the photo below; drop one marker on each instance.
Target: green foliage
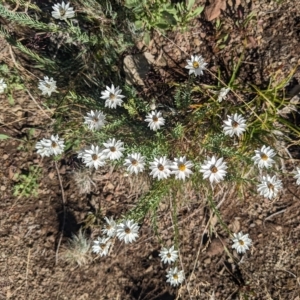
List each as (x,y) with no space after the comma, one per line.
(161,15)
(24,20)
(27,184)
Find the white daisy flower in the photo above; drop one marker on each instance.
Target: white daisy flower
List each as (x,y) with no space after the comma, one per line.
(110,227)
(241,242)
(196,65)
(3,85)
(235,125)
(47,86)
(297,175)
(263,157)
(168,255)
(181,168)
(155,120)
(214,169)
(160,168)
(128,231)
(93,157)
(175,277)
(101,246)
(62,11)
(113,149)
(95,119)
(269,187)
(112,96)
(52,146)
(135,163)
(223,94)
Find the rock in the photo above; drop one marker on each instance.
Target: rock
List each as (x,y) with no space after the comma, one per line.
(136,68)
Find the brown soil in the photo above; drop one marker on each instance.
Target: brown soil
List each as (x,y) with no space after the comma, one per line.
(31,227)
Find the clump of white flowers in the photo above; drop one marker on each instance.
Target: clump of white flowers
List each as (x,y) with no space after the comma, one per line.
(95,120)
(269,186)
(263,157)
(155,120)
(3,85)
(234,125)
(127,231)
(47,86)
(241,242)
(112,96)
(168,255)
(175,277)
(62,11)
(52,146)
(214,169)
(196,65)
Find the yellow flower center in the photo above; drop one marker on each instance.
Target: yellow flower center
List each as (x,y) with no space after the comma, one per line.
(94,157)
(235,124)
(213,169)
(169,255)
(160,167)
(134,162)
(113,149)
(182,167)
(175,276)
(53,145)
(264,156)
(241,242)
(196,65)
(112,96)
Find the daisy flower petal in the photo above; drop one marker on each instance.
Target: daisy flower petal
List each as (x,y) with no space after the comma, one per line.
(101,246)
(135,163)
(263,157)
(47,86)
(269,186)
(196,65)
(95,120)
(175,277)
(241,242)
(214,169)
(62,11)
(182,168)
(234,125)
(93,157)
(160,168)
(155,120)
(112,97)
(168,255)
(128,231)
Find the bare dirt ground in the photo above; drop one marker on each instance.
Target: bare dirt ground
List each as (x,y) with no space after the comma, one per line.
(30,227)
